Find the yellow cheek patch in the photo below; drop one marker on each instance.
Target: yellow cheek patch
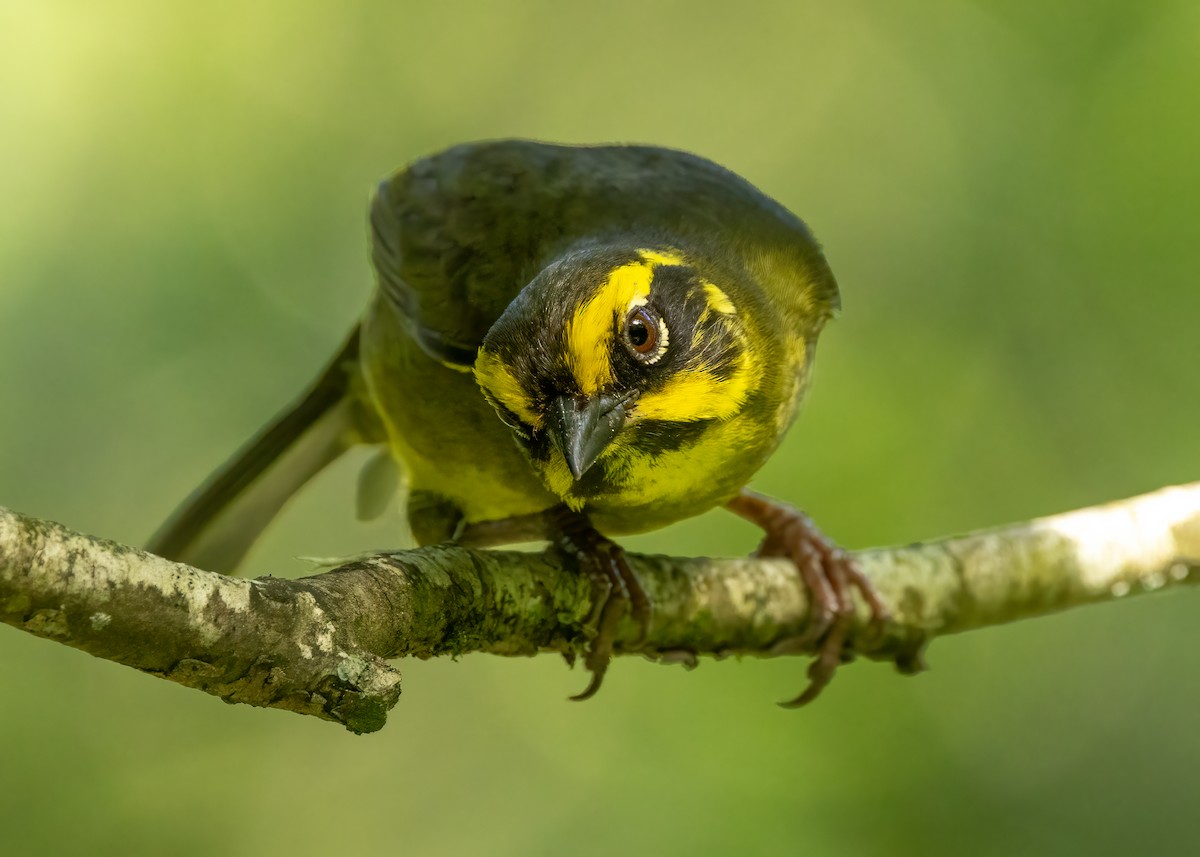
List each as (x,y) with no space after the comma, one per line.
(499,382)
(698,395)
(731,452)
(591,330)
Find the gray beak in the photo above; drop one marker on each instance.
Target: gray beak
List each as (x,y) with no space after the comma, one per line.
(582,428)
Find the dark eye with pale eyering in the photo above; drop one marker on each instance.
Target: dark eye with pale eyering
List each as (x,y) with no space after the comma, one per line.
(642,333)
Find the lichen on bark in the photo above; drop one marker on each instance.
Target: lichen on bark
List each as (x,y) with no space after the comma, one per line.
(319,645)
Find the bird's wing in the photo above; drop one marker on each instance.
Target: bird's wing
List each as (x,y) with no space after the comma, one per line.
(457,235)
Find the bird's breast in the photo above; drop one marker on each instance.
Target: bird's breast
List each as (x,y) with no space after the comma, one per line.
(677,471)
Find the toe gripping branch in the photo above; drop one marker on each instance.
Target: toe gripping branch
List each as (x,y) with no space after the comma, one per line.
(616,590)
(828,574)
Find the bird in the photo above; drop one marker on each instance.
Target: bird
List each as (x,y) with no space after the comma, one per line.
(571,343)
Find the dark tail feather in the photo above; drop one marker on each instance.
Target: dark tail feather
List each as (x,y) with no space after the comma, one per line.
(215,527)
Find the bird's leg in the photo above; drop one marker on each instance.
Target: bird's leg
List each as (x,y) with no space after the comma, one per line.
(535,527)
(827,572)
(615,588)
(615,591)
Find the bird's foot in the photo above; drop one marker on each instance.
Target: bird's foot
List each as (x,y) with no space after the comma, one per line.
(830,577)
(615,592)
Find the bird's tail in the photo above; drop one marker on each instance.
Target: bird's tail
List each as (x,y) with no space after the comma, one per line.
(215,527)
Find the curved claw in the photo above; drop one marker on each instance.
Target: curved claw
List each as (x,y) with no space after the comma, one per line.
(828,574)
(640,606)
(589,691)
(615,591)
(879,612)
(599,653)
(821,670)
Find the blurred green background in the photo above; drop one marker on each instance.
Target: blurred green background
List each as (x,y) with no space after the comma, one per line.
(1008,194)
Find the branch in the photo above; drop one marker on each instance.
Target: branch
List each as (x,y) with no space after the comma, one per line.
(318,645)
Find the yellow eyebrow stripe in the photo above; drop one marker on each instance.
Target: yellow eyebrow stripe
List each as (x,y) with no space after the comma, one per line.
(498,381)
(591,330)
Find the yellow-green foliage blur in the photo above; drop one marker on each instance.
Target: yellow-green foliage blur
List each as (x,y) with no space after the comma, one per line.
(1008,193)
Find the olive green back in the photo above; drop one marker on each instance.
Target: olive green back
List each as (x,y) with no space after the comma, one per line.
(457,235)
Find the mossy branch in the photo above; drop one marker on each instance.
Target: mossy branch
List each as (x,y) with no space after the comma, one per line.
(319,645)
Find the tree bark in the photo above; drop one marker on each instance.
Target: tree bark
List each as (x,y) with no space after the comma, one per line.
(319,645)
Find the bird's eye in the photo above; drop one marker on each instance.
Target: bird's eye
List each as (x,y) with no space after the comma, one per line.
(642,333)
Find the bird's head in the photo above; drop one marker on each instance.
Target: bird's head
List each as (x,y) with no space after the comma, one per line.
(611,358)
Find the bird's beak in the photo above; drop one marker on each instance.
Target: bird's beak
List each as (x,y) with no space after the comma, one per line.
(583,428)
